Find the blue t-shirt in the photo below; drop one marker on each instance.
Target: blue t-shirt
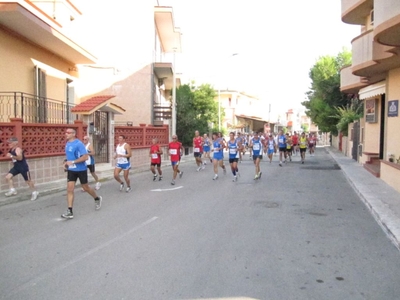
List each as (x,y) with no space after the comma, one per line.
(206,145)
(74,150)
(282,141)
(257,147)
(218,150)
(233,149)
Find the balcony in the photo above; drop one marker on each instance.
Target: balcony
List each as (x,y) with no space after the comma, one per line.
(387,22)
(170,36)
(371,58)
(350,83)
(356,11)
(34,109)
(24,19)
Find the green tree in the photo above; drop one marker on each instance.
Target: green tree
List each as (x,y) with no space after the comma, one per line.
(195,110)
(325,95)
(348,114)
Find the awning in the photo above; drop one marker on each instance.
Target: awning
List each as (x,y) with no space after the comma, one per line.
(372,90)
(102,103)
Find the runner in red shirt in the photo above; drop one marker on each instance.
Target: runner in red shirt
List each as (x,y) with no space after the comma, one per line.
(155,159)
(312,142)
(175,149)
(295,141)
(198,150)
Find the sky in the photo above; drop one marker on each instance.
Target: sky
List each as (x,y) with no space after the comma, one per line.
(261,47)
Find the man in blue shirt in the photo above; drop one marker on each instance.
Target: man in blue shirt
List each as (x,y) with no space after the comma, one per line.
(75,164)
(281,146)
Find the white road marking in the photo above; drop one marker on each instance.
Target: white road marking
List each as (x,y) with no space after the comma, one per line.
(171,189)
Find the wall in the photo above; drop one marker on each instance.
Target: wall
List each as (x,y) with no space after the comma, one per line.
(372,130)
(392,140)
(19,57)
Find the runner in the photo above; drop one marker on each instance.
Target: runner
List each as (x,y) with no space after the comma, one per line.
(218,155)
(240,140)
(155,161)
(281,146)
(206,148)
(198,150)
(288,153)
(75,164)
(303,146)
(123,153)
(271,147)
(90,163)
(257,145)
(20,166)
(234,147)
(311,144)
(295,141)
(175,149)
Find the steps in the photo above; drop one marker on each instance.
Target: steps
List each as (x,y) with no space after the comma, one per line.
(373,164)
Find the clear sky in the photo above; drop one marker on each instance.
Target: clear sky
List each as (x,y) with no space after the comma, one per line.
(277,43)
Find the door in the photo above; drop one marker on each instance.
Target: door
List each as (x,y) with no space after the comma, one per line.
(356,140)
(100,136)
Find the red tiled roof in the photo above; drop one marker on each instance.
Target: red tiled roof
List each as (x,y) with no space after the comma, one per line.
(92,104)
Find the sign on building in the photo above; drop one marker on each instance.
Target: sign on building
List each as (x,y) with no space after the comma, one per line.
(393,108)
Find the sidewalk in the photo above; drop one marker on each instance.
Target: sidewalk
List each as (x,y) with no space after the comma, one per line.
(381,199)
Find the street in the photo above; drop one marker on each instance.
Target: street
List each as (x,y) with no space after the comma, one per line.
(300,232)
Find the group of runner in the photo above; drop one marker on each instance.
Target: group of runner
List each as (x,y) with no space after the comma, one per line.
(257,143)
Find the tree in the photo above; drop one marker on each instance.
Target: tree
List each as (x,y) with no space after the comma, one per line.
(325,95)
(348,114)
(195,110)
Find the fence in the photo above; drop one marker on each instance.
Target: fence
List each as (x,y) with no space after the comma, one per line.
(34,109)
(142,136)
(37,140)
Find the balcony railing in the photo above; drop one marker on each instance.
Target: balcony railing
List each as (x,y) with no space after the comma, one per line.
(387,22)
(356,11)
(350,83)
(162,112)
(34,109)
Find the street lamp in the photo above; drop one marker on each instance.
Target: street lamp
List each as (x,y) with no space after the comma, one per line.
(219,98)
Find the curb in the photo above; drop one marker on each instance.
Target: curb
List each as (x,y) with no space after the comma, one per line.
(379,217)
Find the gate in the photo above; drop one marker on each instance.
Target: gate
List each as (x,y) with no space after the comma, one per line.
(356,140)
(100,136)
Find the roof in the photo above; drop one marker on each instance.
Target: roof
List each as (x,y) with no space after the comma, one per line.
(102,103)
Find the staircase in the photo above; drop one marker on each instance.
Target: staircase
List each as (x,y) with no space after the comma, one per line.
(373,164)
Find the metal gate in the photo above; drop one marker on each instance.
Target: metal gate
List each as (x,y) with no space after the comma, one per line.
(100,137)
(356,140)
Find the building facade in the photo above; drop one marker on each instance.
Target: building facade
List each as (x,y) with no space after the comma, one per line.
(375,77)
(114,63)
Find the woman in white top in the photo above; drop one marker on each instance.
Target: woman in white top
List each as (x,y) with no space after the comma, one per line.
(123,152)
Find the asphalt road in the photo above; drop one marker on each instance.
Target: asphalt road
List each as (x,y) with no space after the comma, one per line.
(300,232)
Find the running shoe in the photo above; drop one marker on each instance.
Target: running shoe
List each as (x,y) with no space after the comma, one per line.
(83,190)
(160,178)
(98,203)
(280,164)
(155,177)
(255,177)
(259,175)
(215,177)
(121,187)
(35,194)
(234,178)
(210,160)
(203,167)
(198,169)
(173,182)
(302,162)
(180,174)
(128,189)
(67,215)
(11,192)
(98,185)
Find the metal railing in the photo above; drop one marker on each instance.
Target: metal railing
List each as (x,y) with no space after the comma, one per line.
(34,109)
